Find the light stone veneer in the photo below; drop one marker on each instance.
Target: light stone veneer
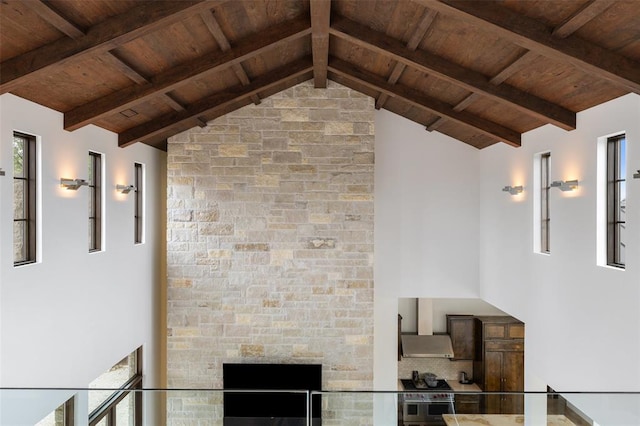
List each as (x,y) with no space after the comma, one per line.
(270,246)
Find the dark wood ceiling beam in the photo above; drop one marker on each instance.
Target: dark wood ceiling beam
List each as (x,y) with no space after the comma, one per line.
(407,94)
(219,101)
(216,31)
(536,36)
(53,17)
(113,60)
(107,35)
(418,34)
(172,102)
(516,66)
(568,27)
(583,15)
(320,19)
(453,73)
(172,78)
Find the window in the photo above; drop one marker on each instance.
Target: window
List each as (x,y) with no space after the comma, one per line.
(95,201)
(124,405)
(138,214)
(62,416)
(24,199)
(545,220)
(616,200)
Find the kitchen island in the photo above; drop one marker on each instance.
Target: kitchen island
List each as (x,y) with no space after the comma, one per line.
(499,420)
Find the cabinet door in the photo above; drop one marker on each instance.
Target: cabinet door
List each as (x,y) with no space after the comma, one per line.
(493,382)
(460,329)
(513,381)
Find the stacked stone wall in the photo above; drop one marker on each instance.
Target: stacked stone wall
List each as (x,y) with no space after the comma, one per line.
(270,243)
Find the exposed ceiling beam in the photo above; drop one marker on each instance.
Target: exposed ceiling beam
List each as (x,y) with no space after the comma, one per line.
(320,19)
(113,60)
(216,31)
(172,78)
(416,37)
(407,94)
(569,26)
(184,120)
(517,65)
(583,15)
(453,73)
(534,35)
(172,102)
(102,37)
(53,17)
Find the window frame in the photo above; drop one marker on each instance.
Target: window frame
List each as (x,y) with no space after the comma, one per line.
(615,155)
(138,214)
(545,218)
(29,172)
(95,201)
(133,386)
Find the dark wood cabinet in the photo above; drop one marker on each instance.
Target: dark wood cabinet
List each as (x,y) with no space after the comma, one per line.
(460,329)
(499,363)
(467,404)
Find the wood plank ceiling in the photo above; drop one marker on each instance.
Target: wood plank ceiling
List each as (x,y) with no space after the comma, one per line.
(480,71)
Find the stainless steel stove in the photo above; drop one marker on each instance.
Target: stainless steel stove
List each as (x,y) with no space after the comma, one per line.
(423,405)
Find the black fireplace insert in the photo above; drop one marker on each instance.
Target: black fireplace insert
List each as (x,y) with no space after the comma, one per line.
(271,408)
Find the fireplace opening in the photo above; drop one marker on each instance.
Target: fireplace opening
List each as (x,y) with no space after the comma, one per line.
(271,408)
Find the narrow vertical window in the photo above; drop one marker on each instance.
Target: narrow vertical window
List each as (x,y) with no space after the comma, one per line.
(138,213)
(95,201)
(24,199)
(616,200)
(545,219)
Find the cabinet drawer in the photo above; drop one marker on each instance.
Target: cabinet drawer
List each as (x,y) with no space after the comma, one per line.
(467,399)
(504,345)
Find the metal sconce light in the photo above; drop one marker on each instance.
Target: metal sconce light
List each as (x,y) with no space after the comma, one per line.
(73,184)
(636,175)
(513,190)
(1,172)
(564,185)
(125,189)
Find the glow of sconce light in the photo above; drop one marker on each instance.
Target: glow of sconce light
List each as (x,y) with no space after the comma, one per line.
(125,189)
(568,185)
(72,184)
(513,190)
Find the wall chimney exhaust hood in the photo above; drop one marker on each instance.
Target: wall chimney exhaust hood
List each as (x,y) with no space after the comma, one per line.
(425,344)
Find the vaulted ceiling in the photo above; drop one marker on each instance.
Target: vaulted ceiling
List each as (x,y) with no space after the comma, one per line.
(482,72)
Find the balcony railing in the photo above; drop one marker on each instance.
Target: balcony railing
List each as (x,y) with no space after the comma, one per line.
(202,407)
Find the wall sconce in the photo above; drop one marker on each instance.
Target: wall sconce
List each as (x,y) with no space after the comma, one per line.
(125,189)
(635,175)
(513,190)
(2,172)
(73,184)
(568,185)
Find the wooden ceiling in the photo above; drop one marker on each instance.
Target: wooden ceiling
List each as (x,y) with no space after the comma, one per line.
(480,71)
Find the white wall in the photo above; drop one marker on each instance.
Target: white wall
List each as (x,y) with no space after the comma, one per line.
(426,226)
(444,229)
(583,320)
(72,315)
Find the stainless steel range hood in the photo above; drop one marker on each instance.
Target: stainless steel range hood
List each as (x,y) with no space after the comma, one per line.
(425,344)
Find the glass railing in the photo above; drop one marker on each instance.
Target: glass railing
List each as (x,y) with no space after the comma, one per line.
(182,407)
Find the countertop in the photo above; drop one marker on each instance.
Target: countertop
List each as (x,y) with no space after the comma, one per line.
(499,420)
(455,386)
(459,387)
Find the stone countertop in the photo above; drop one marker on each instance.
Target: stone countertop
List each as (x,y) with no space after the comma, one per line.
(499,420)
(456,386)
